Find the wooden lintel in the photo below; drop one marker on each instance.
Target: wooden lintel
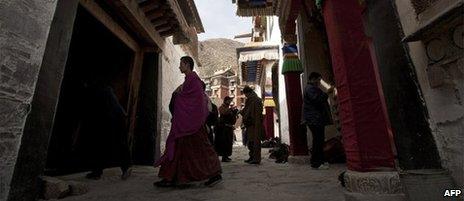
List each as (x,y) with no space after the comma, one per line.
(134,14)
(151,49)
(159,22)
(178,14)
(109,23)
(176,10)
(151,5)
(164,28)
(168,32)
(155,14)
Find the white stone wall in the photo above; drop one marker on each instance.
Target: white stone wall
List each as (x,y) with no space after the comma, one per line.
(444,104)
(171,79)
(24,28)
(275,37)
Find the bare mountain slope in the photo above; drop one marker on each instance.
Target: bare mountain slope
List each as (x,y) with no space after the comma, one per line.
(216,54)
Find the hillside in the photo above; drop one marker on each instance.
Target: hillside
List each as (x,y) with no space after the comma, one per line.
(216,54)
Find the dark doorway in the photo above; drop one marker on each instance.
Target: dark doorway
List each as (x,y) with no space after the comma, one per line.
(144,146)
(95,56)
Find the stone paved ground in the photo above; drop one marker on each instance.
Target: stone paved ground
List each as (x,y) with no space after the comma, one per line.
(268,181)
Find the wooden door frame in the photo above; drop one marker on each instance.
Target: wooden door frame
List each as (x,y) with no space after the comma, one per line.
(136,67)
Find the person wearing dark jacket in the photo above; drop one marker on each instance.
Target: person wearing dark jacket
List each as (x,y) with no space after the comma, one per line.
(316,115)
(253,121)
(225,129)
(211,122)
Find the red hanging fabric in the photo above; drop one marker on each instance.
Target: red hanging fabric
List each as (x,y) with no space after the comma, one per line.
(364,122)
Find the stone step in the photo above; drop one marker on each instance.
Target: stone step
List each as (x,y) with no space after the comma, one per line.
(428,184)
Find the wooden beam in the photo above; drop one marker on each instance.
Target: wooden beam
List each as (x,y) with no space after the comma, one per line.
(155,14)
(149,6)
(178,13)
(160,21)
(168,32)
(135,78)
(109,23)
(164,27)
(134,14)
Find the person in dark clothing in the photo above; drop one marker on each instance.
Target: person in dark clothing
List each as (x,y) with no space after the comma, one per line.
(244,136)
(212,118)
(105,126)
(212,121)
(316,115)
(225,129)
(253,121)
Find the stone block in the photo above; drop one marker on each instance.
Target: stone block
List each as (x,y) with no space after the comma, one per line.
(373,186)
(373,182)
(77,188)
(428,184)
(54,188)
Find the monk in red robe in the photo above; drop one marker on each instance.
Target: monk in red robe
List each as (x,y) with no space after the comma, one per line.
(189,156)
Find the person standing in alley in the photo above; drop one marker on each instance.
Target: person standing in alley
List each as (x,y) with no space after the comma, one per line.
(188,155)
(316,115)
(253,123)
(225,129)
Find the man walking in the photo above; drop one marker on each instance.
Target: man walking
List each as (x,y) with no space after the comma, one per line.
(316,115)
(189,156)
(253,122)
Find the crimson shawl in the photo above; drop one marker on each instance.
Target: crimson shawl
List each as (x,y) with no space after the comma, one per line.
(190,113)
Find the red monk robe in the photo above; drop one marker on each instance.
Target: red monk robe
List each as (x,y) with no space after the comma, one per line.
(189,155)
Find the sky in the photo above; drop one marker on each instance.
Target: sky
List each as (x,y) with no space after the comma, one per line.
(219,19)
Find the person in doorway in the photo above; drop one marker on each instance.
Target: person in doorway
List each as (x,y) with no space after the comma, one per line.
(316,115)
(253,123)
(106,127)
(225,129)
(188,155)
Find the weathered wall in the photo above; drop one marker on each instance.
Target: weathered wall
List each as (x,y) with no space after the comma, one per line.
(24,27)
(171,79)
(444,102)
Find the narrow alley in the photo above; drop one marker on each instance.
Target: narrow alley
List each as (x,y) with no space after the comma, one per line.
(171,100)
(269,181)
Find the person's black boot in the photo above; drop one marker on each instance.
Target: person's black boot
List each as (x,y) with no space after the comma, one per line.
(213,181)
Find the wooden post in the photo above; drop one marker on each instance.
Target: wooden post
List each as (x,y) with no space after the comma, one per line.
(292,69)
(364,122)
(135,77)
